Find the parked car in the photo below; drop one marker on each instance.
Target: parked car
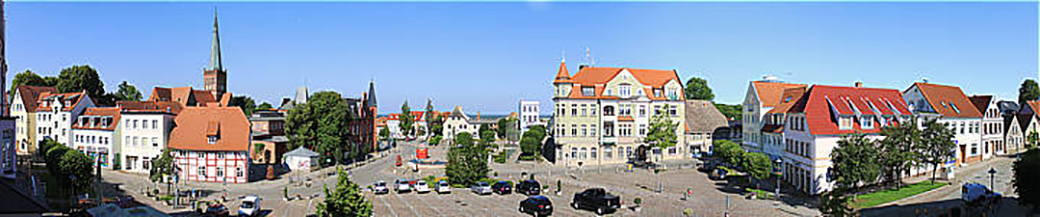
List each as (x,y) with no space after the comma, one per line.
(596,199)
(529,187)
(250,206)
(718,174)
(217,210)
(481,188)
(536,205)
(402,186)
(502,188)
(380,187)
(421,187)
(443,187)
(975,193)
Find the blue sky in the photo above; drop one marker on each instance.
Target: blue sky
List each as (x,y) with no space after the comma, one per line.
(487,56)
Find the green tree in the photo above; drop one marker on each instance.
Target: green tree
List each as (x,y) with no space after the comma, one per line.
(301,126)
(161,166)
(346,200)
(430,118)
(406,120)
(855,161)
(758,165)
(384,134)
(730,111)
(483,128)
(82,78)
(697,88)
(506,126)
(487,138)
(835,203)
(74,163)
(434,140)
(529,145)
(1032,139)
(246,103)
(662,130)
(936,145)
(333,129)
(264,106)
(467,162)
(27,78)
(896,153)
(128,92)
(728,151)
(1027,178)
(1028,91)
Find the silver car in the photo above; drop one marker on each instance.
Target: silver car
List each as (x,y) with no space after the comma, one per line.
(402,186)
(481,188)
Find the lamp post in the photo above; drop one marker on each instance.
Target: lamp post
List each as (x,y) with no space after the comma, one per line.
(780,172)
(991,173)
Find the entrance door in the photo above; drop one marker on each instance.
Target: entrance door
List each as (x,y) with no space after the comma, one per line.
(962,159)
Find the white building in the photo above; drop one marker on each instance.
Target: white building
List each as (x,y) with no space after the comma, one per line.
(144,129)
(529,115)
(455,123)
(949,106)
(55,113)
(992,125)
(821,117)
(94,134)
(23,109)
(393,124)
(760,98)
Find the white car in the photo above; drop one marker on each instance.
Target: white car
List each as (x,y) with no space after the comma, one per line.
(402,186)
(421,187)
(443,187)
(481,188)
(250,206)
(380,187)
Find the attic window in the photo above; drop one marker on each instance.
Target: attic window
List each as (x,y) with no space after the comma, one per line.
(955,109)
(211,139)
(588,91)
(788,99)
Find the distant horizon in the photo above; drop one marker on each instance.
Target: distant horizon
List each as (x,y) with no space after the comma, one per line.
(487,56)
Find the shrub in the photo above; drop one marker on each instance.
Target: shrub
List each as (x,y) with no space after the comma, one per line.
(638,201)
(687,212)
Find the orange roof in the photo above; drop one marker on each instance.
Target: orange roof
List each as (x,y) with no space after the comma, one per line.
(92,117)
(41,106)
(788,99)
(563,76)
(31,93)
(948,101)
(150,106)
(196,124)
(183,95)
(597,77)
(769,93)
(202,96)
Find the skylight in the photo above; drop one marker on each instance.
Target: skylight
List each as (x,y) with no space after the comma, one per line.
(955,108)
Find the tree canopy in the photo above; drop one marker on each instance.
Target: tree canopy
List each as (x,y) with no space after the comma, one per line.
(128,92)
(346,200)
(728,151)
(730,111)
(758,165)
(662,130)
(245,103)
(936,145)
(896,150)
(467,162)
(81,78)
(855,161)
(264,106)
(321,124)
(406,120)
(161,166)
(697,88)
(1027,177)
(1028,91)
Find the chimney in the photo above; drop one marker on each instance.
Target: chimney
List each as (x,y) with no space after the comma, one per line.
(859,84)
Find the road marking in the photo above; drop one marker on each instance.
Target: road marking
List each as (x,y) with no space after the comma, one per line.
(388,207)
(409,205)
(435,209)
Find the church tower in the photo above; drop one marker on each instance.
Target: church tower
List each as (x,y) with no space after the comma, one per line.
(215,76)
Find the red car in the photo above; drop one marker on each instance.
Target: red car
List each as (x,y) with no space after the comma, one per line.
(217,210)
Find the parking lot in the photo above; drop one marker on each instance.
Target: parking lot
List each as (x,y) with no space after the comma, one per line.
(462,201)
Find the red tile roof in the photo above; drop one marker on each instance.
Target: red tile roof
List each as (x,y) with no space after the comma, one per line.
(821,101)
(42,106)
(948,101)
(597,77)
(150,106)
(184,95)
(788,99)
(95,116)
(563,76)
(195,124)
(981,102)
(31,93)
(769,93)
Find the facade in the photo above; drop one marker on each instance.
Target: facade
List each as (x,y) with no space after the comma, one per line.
(529,115)
(949,106)
(268,129)
(992,125)
(214,76)
(773,122)
(211,144)
(703,121)
(55,113)
(364,124)
(821,117)
(23,109)
(94,134)
(143,132)
(760,98)
(1014,136)
(1028,117)
(601,114)
(393,124)
(454,123)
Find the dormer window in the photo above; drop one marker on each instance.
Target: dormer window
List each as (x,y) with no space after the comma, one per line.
(867,122)
(588,91)
(211,139)
(844,122)
(657,92)
(625,90)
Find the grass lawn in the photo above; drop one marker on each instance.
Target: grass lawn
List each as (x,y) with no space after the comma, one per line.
(889,195)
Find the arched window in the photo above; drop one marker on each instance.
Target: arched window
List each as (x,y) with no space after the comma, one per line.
(608,110)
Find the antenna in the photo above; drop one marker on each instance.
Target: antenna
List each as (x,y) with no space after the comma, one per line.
(588,56)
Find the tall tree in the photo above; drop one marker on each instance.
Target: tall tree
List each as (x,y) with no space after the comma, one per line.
(27,78)
(467,162)
(81,78)
(431,119)
(697,88)
(332,131)
(74,163)
(758,165)
(855,161)
(128,92)
(264,106)
(384,134)
(1032,138)
(662,130)
(728,151)
(406,120)
(301,126)
(896,149)
(835,203)
(936,145)
(1028,91)
(346,200)
(246,103)
(730,111)
(1027,177)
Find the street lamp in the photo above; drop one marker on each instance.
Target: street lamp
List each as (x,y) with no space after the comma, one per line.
(991,173)
(779,172)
